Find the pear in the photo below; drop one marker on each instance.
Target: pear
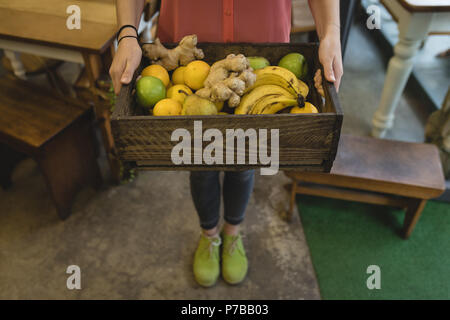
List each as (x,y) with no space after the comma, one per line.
(195,106)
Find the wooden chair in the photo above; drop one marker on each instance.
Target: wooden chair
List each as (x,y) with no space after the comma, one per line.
(376,171)
(34,65)
(57,132)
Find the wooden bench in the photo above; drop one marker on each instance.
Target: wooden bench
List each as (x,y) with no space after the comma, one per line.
(377,171)
(57,132)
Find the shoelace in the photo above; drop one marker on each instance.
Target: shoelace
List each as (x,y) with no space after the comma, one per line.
(212,244)
(234,244)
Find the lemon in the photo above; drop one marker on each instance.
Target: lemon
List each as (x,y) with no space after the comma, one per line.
(178,92)
(167,107)
(157,71)
(195,74)
(309,108)
(178,75)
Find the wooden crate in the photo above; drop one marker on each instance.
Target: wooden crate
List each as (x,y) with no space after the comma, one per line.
(307,142)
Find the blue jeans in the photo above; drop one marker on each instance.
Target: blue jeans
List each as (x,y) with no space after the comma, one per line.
(205,190)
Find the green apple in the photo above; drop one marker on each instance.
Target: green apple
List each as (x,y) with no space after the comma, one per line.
(149,90)
(258,62)
(296,63)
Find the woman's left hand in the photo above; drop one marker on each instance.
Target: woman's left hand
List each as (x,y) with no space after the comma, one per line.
(331,58)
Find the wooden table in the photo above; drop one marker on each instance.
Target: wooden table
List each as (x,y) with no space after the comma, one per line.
(39,27)
(378,171)
(416,19)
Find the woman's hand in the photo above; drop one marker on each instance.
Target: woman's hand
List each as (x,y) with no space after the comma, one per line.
(331,58)
(127,59)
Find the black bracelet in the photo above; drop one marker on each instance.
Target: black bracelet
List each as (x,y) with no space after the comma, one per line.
(126,26)
(118,41)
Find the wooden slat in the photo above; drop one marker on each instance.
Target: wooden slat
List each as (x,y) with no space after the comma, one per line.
(315,162)
(304,168)
(351,195)
(300,137)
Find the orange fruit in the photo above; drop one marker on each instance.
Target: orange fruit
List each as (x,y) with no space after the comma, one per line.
(195,74)
(167,107)
(179,92)
(157,71)
(178,75)
(309,108)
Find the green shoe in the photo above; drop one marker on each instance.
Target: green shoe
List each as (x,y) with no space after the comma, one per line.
(234,261)
(206,261)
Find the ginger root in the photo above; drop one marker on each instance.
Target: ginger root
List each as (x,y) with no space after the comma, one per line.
(170,59)
(228,79)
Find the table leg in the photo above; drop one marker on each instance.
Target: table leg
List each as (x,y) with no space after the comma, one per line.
(412,215)
(16,64)
(68,162)
(413,29)
(103,117)
(292,200)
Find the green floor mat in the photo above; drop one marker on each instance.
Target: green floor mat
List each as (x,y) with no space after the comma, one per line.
(346,237)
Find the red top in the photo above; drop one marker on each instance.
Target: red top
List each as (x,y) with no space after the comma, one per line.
(225,20)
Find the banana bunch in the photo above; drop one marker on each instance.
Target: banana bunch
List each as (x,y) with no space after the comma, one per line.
(275,89)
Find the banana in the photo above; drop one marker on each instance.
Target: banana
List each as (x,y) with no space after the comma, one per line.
(273,104)
(259,92)
(275,107)
(303,88)
(257,107)
(275,80)
(252,107)
(272,83)
(278,76)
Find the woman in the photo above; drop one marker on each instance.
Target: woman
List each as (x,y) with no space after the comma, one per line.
(224,21)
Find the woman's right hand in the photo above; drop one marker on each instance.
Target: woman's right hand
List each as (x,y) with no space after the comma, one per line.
(125,62)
